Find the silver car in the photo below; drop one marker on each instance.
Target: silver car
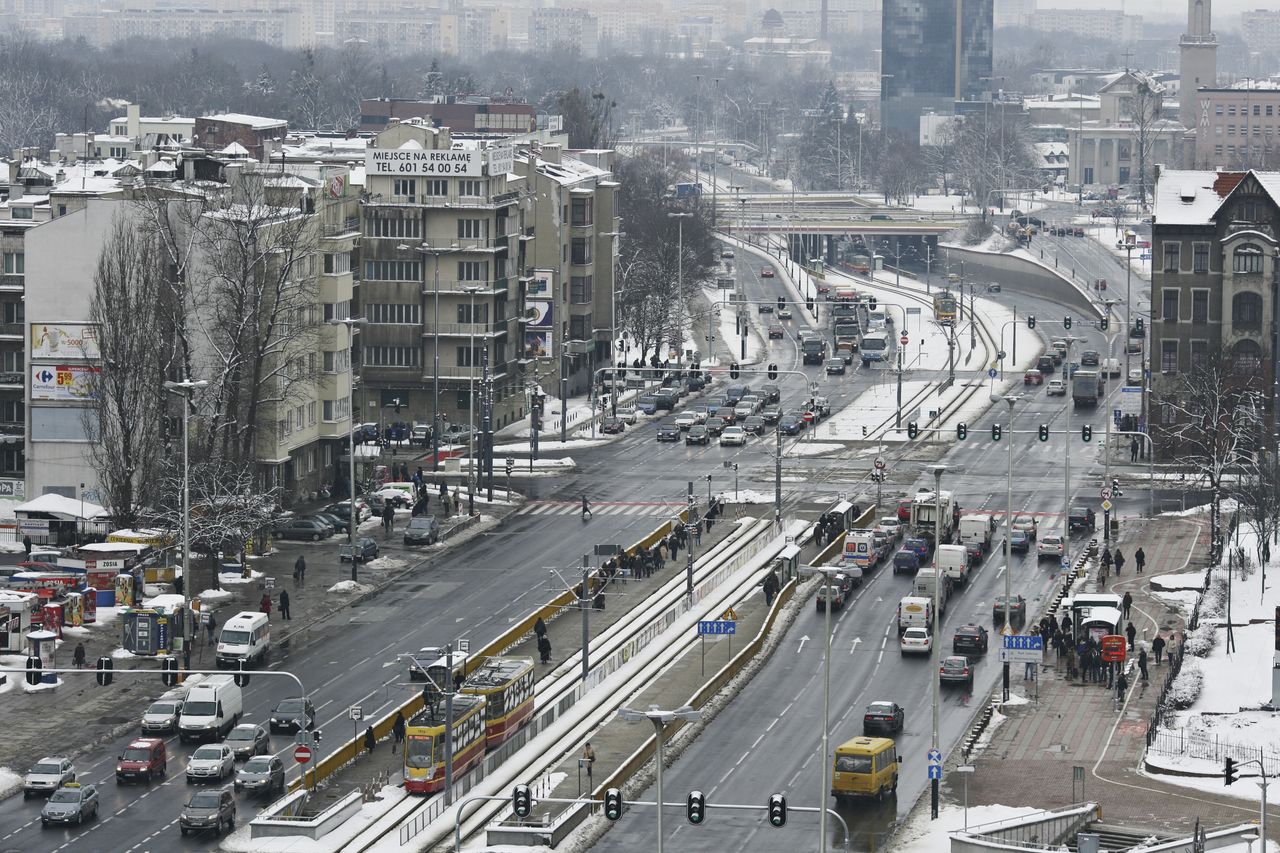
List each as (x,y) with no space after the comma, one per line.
(211,761)
(247,740)
(71,803)
(47,776)
(262,774)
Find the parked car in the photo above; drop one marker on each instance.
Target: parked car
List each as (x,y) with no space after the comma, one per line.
(883,718)
(733,436)
(342,509)
(612,426)
(697,434)
(970,638)
(263,774)
(340,523)
(422,530)
(993,287)
(956,669)
(302,528)
(726,253)
(1016,608)
(208,810)
(71,803)
(48,775)
(420,435)
(211,761)
(247,740)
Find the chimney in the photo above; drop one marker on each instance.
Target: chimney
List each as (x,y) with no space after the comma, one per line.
(551,152)
(133,115)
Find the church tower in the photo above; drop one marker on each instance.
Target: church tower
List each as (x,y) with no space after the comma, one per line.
(1199,62)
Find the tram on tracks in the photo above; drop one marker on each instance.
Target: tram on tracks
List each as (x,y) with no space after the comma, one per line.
(424,753)
(507,687)
(944,308)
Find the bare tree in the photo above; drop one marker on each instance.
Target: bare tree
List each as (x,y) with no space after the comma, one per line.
(126,421)
(1144,115)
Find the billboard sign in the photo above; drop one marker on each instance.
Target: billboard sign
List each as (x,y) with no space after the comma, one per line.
(64,340)
(502,160)
(62,383)
(539,329)
(408,162)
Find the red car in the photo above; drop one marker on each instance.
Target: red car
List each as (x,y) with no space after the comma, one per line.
(904,509)
(767,272)
(1033,377)
(823,289)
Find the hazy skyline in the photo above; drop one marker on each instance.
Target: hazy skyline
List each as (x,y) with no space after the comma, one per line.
(1225,12)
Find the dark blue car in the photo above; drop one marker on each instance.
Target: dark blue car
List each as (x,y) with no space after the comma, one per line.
(907,561)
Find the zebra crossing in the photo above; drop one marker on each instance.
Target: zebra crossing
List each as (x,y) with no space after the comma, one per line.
(663,509)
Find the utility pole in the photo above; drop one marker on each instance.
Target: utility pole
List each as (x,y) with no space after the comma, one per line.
(1008,546)
(936,644)
(777,481)
(692,519)
(584,603)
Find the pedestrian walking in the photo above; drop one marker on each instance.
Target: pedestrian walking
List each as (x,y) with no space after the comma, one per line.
(1118,559)
(210,625)
(1140,559)
(1105,559)
(1142,664)
(540,628)
(397,729)
(284,605)
(388,518)
(1128,603)
(457,502)
(265,604)
(370,739)
(544,648)
(1122,686)
(1133,450)
(78,656)
(1131,632)
(1028,671)
(588,758)
(697,534)
(1157,646)
(300,569)
(26,546)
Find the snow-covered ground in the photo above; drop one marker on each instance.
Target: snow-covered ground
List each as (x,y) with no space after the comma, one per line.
(241,839)
(872,408)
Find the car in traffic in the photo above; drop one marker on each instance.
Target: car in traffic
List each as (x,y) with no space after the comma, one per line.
(1049,546)
(776,331)
(919,545)
(770,393)
(1014,605)
(422,530)
(145,758)
(697,434)
(834,366)
(303,528)
(247,740)
(363,550)
(893,525)
(161,716)
(686,419)
(883,718)
(734,436)
(261,775)
(71,803)
(211,761)
(1055,388)
(771,412)
(726,253)
(784,313)
(906,561)
(668,431)
(956,669)
(974,551)
(420,435)
(835,591)
(1019,541)
(916,641)
(715,426)
(1135,377)
(610,425)
(765,308)
(47,775)
(647,404)
(1027,524)
(970,638)
(993,287)
(1089,358)
(208,810)
(754,425)
(766,272)
(790,425)
(1033,377)
(291,715)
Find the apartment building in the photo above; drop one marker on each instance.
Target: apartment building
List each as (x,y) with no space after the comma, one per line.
(556,30)
(459,113)
(1239,126)
(1107,24)
(1261,31)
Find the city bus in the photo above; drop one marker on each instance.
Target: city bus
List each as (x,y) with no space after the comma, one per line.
(507,687)
(944,308)
(424,742)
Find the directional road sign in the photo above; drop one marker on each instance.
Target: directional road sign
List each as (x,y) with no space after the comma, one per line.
(1022,648)
(992,373)
(935,771)
(935,756)
(717,626)
(302,754)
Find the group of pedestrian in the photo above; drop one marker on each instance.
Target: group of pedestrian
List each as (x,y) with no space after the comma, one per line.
(1116,559)
(264,606)
(544,643)
(828,527)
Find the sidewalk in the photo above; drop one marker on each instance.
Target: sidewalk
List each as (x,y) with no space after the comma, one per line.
(1054,725)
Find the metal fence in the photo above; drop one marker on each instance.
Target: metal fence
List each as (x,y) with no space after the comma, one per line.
(1211,748)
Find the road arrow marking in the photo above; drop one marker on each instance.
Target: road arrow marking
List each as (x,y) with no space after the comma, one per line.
(803,640)
(854,647)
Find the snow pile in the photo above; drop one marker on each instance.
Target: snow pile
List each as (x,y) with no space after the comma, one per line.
(921,835)
(9,782)
(1201,641)
(11,547)
(1187,686)
(42,687)
(215,595)
(746,496)
(122,654)
(242,841)
(386,564)
(350,586)
(234,578)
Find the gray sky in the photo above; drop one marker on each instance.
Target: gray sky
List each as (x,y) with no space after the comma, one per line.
(1226,13)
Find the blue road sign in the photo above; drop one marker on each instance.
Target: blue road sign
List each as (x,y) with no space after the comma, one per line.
(717,626)
(935,756)
(935,771)
(1064,563)
(991,372)
(1023,641)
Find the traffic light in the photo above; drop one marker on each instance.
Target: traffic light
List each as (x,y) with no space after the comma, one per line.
(735,370)
(808,304)
(962,431)
(697,807)
(1066,322)
(777,810)
(1104,323)
(511,464)
(241,677)
(613,804)
(521,801)
(1137,325)
(1044,432)
(317,736)
(1031,321)
(169,672)
(773,371)
(33,670)
(1086,433)
(782,303)
(995,432)
(105,665)
(1229,772)
(871,303)
(535,414)
(913,429)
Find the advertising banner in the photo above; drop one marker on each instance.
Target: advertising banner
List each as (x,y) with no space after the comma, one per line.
(408,162)
(501,160)
(63,382)
(64,340)
(538,331)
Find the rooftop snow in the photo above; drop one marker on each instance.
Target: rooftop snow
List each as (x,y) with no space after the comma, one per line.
(256,122)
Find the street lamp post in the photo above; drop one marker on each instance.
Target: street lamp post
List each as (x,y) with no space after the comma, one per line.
(351,323)
(1128,277)
(660,719)
(934,644)
(471,291)
(184,389)
(1008,544)
(679,218)
(827,572)
(1066,467)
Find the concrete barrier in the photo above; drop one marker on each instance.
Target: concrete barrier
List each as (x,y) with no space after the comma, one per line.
(1018,275)
(282,819)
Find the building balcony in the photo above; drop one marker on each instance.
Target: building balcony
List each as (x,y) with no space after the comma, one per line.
(13,283)
(486,288)
(12,380)
(11,428)
(349,226)
(11,331)
(461,202)
(479,330)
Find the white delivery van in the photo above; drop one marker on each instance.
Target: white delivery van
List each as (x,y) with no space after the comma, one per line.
(926,579)
(977,528)
(212,708)
(245,637)
(953,561)
(914,612)
(860,549)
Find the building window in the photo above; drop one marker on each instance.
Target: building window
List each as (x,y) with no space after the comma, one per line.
(392,356)
(1168,356)
(1246,311)
(437,186)
(1217,109)
(392,270)
(480,315)
(580,327)
(471,229)
(15,312)
(1171,256)
(337,310)
(580,252)
(404,187)
(473,271)
(1231,109)
(1246,358)
(335,361)
(580,290)
(1231,130)
(1169,305)
(582,211)
(1199,257)
(470,357)
(337,263)
(393,312)
(470,188)
(20,213)
(11,361)
(1199,354)
(1269,108)
(15,263)
(1247,259)
(1257,110)
(403,229)
(1248,209)
(1217,150)
(1199,306)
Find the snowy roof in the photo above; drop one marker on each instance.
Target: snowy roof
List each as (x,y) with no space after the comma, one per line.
(157,119)
(68,509)
(1184,197)
(235,149)
(570,171)
(162,166)
(255,122)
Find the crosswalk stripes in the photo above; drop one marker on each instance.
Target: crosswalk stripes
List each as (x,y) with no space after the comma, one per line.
(632,508)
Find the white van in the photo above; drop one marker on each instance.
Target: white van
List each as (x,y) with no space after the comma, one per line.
(245,637)
(953,561)
(977,528)
(923,587)
(914,612)
(212,708)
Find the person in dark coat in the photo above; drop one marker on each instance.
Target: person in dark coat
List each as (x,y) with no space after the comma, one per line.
(79,656)
(1142,664)
(210,626)
(1131,632)
(1140,560)
(1122,685)
(1157,647)
(370,739)
(540,628)
(1119,561)
(265,605)
(26,546)
(300,569)
(388,517)
(397,729)
(544,648)
(1128,603)
(284,605)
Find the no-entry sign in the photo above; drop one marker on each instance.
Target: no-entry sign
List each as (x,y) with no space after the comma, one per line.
(302,754)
